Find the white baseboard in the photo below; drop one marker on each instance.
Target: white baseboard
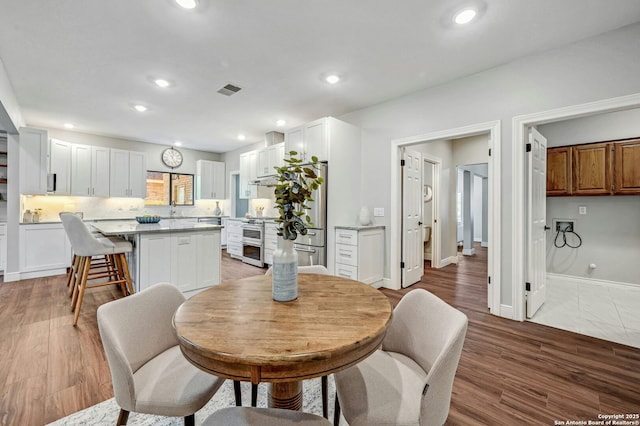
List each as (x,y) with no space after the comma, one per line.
(484,244)
(39,274)
(11,276)
(506,311)
(468,252)
(448,261)
(585,280)
(477,240)
(386,283)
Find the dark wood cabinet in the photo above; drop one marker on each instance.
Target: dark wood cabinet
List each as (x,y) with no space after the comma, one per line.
(603,168)
(592,169)
(559,171)
(626,156)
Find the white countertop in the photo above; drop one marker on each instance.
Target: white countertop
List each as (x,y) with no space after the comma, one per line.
(359,227)
(128,227)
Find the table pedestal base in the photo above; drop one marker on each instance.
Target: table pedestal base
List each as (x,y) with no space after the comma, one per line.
(285,395)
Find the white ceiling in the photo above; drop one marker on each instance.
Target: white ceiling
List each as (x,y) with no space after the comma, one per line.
(89,61)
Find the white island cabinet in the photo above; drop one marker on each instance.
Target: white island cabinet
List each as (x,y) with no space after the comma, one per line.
(360,253)
(185,254)
(44,250)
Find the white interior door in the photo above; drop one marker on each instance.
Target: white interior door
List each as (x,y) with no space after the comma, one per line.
(412,239)
(536,222)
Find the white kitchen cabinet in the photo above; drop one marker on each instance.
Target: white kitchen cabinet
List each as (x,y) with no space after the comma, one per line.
(90,170)
(234,238)
(270,241)
(33,161)
(210,180)
(44,250)
(223,231)
(310,140)
(128,175)
(3,246)
(60,165)
(155,259)
(248,174)
(360,253)
(269,158)
(188,260)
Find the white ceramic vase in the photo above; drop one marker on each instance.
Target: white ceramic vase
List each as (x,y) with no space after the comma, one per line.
(217,211)
(285,272)
(365,216)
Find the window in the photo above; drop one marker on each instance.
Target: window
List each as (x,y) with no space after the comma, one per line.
(164,189)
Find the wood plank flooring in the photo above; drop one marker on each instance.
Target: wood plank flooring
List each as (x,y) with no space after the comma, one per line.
(510,372)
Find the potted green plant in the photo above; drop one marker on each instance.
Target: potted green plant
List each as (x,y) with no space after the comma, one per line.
(294,190)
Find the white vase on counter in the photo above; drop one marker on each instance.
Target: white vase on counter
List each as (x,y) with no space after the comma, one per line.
(217,211)
(365,216)
(284,285)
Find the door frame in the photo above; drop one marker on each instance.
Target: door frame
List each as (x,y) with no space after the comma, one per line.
(520,125)
(493,266)
(436,169)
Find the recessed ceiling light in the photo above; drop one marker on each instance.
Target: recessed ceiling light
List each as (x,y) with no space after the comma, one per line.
(160,82)
(177,143)
(69,126)
(140,108)
(464,16)
(332,79)
(187,4)
(241,137)
(280,123)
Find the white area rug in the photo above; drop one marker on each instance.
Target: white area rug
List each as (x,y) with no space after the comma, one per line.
(106,413)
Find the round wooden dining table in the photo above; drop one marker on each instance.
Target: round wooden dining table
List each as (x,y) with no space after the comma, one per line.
(237,331)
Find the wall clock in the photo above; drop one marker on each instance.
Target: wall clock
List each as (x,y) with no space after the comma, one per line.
(171,157)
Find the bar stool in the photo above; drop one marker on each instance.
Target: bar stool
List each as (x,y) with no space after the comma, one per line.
(86,246)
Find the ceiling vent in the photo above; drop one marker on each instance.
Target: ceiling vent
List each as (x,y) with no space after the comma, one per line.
(229,90)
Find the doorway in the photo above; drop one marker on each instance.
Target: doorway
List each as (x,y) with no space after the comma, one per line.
(492,129)
(521,192)
(239,206)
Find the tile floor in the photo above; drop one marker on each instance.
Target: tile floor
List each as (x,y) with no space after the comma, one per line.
(609,312)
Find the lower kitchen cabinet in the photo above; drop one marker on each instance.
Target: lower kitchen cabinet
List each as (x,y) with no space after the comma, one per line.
(360,253)
(188,260)
(44,250)
(3,246)
(270,241)
(234,238)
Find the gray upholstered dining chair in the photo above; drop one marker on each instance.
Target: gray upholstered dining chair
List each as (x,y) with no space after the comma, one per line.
(311,269)
(409,381)
(149,373)
(250,416)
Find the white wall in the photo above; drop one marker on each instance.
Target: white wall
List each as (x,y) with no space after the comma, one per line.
(610,233)
(10,115)
(572,75)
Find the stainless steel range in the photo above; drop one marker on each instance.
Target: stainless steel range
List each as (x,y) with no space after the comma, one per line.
(253,242)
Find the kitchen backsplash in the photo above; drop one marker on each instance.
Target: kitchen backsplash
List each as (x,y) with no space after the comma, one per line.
(127,208)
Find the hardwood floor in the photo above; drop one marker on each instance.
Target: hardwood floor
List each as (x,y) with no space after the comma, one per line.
(509,373)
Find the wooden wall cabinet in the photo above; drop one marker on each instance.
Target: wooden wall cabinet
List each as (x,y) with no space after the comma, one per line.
(592,169)
(626,161)
(604,168)
(559,171)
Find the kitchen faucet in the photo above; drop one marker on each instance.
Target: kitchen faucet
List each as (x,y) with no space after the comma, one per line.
(173,209)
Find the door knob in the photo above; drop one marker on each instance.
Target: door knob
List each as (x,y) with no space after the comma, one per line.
(419,223)
(546,228)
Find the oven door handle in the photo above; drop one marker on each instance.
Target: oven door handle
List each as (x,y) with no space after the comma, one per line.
(304,250)
(252,243)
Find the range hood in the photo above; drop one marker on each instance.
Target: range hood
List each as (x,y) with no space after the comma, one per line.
(268,181)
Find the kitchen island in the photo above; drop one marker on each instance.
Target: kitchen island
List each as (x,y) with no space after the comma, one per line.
(185,254)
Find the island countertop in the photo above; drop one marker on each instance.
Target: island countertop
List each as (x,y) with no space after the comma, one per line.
(131,227)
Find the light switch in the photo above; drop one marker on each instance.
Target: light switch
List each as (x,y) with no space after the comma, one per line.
(378,211)
(582,210)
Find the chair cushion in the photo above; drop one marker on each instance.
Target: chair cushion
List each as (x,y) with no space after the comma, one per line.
(168,385)
(120,245)
(384,389)
(241,416)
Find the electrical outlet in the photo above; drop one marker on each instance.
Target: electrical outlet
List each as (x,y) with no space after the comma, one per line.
(378,211)
(582,210)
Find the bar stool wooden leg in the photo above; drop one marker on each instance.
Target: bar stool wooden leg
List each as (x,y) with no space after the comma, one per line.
(83,285)
(127,275)
(81,260)
(70,274)
(73,274)
(119,273)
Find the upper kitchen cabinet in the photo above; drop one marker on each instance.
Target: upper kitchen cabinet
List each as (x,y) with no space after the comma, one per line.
(210,180)
(269,158)
(316,138)
(592,169)
(559,171)
(60,166)
(294,141)
(90,170)
(626,167)
(128,174)
(248,174)
(33,161)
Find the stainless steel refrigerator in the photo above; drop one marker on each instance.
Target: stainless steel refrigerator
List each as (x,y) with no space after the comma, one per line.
(312,248)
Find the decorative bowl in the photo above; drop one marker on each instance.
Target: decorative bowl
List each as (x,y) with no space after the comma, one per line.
(148,219)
